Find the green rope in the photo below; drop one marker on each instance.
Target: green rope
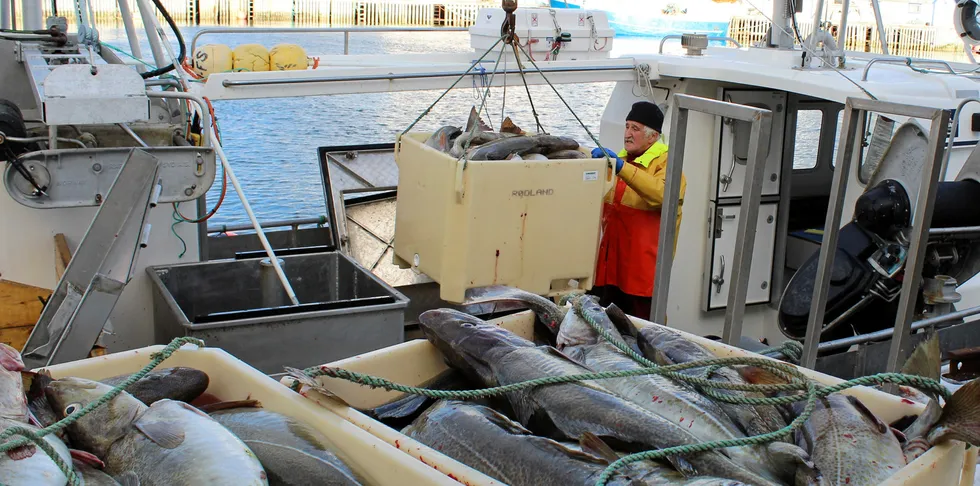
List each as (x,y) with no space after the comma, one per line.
(450,88)
(530,99)
(36,437)
(42,444)
(177,218)
(578,304)
(792,350)
(110,46)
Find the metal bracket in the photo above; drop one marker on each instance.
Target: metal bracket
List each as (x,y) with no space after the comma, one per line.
(102,265)
(83,177)
(81,92)
(761,121)
(720,218)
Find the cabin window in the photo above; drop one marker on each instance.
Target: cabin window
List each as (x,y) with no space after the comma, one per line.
(808,124)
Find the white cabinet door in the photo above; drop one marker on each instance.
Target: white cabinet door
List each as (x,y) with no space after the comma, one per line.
(723,228)
(733,154)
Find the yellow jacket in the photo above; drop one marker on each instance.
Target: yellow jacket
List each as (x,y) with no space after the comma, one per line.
(631,223)
(645,178)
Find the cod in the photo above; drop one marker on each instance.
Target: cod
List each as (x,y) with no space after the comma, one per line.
(495,356)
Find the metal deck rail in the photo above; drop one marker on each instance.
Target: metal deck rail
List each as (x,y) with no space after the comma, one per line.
(761,121)
(319,30)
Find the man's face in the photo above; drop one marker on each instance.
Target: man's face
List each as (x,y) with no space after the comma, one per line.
(636,141)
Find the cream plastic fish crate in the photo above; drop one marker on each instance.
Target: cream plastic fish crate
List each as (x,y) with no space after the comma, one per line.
(368,456)
(416,362)
(533,225)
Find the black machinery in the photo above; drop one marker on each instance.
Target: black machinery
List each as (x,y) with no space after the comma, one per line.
(870,263)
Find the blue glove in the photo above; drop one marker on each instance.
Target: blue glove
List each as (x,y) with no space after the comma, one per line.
(602,152)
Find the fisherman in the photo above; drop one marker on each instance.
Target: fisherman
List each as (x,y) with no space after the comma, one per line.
(631,214)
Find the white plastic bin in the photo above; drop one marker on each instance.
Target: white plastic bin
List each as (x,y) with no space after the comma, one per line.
(231,379)
(532,225)
(416,362)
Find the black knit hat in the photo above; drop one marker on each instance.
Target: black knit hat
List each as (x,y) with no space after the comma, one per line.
(648,114)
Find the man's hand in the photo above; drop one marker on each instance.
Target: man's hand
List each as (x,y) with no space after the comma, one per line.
(602,152)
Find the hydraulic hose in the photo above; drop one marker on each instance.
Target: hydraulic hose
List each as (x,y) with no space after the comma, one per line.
(180,43)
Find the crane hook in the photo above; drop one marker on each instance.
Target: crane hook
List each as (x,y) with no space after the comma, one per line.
(510,22)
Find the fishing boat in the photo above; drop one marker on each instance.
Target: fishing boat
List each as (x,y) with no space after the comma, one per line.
(100,151)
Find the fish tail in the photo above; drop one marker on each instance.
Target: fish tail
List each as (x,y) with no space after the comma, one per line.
(622,322)
(961,417)
(592,444)
(925,360)
(758,375)
(792,462)
(301,377)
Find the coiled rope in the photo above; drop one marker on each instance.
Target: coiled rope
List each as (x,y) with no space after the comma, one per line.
(29,435)
(796,381)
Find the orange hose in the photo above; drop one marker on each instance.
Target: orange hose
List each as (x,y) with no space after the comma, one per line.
(190,70)
(224,177)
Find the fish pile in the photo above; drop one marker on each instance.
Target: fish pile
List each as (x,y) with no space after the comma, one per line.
(164,430)
(568,433)
(479,142)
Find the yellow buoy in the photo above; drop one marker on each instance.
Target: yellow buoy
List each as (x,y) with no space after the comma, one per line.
(212,58)
(287,57)
(251,57)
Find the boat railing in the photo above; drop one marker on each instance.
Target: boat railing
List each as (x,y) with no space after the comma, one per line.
(228,83)
(710,38)
(295,223)
(760,122)
(890,332)
(320,30)
(910,62)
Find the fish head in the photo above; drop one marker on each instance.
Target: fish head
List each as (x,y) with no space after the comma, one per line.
(467,342)
(10,358)
(101,427)
(447,135)
(549,313)
(575,331)
(13,402)
(576,328)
